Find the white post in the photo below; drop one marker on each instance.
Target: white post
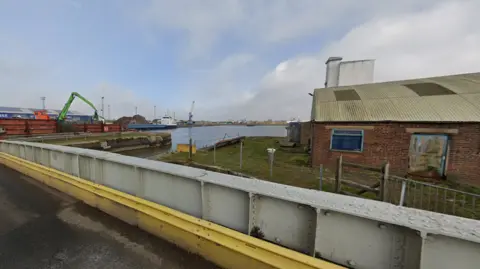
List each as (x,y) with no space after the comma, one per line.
(271,155)
(402,194)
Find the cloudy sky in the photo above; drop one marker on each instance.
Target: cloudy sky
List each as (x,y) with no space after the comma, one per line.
(257,59)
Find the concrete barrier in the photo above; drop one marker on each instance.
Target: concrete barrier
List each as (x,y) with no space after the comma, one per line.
(350,231)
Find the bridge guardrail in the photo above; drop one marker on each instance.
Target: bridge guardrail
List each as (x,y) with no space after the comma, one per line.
(350,231)
(227,248)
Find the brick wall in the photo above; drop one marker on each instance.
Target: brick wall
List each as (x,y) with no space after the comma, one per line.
(390,142)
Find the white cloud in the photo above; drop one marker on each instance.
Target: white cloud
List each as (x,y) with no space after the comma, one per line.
(201,21)
(122,101)
(225,83)
(281,94)
(207,22)
(408,39)
(439,40)
(25,77)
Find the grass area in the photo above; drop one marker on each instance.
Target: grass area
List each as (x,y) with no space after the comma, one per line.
(291,168)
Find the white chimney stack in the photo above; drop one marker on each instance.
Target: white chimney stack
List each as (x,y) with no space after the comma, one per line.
(348,72)
(333,71)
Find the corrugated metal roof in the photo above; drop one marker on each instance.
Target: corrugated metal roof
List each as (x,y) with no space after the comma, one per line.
(10,109)
(393,101)
(20,110)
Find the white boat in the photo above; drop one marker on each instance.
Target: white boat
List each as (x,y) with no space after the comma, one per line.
(168,122)
(294,120)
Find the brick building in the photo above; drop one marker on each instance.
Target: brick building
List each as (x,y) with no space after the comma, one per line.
(420,126)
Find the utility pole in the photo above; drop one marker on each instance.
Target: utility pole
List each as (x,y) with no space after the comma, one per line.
(154,112)
(190,122)
(136,111)
(103,107)
(43,102)
(109,113)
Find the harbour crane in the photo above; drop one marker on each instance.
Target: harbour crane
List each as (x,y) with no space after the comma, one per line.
(63,114)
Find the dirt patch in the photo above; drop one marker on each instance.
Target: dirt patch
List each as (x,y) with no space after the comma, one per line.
(125,121)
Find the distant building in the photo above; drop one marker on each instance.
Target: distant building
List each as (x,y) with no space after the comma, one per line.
(419,126)
(27,113)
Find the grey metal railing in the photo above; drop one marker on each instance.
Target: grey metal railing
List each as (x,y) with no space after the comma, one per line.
(431,197)
(350,231)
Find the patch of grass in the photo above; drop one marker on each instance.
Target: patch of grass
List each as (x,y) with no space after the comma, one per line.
(290,165)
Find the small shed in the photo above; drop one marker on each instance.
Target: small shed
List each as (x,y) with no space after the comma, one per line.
(418,126)
(293,132)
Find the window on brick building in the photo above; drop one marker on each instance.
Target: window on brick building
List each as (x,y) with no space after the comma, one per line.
(347,140)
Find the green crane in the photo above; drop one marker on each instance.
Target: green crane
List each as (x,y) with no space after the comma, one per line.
(63,113)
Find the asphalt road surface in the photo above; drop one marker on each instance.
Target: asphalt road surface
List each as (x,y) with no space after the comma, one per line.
(43,228)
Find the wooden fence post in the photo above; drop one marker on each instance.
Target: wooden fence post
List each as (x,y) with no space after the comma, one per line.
(384,183)
(241,153)
(338,174)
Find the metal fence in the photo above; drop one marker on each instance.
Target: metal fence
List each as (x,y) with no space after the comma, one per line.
(378,183)
(431,197)
(355,179)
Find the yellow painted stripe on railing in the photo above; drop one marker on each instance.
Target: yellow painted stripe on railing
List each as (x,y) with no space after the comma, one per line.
(226,247)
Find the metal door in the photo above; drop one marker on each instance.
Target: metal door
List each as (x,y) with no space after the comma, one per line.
(428,153)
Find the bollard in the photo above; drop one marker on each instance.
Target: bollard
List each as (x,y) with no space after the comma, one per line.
(190,149)
(190,153)
(271,156)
